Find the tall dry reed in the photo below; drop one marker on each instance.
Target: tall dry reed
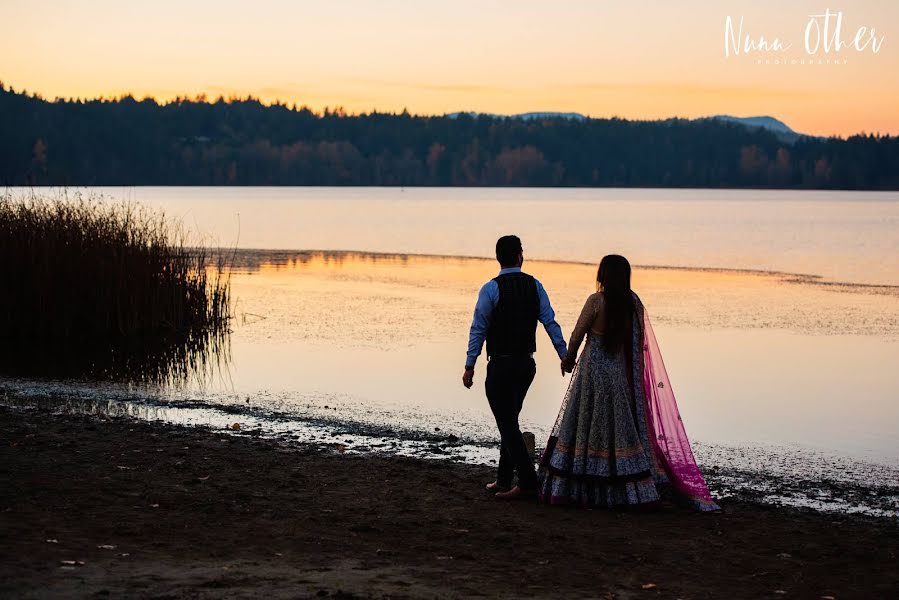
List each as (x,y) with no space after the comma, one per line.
(102,286)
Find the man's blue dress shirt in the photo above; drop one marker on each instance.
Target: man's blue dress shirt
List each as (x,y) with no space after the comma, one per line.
(488,298)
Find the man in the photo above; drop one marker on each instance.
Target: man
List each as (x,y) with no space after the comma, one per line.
(506,315)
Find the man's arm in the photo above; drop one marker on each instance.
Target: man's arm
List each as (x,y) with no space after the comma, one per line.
(547,316)
(480,323)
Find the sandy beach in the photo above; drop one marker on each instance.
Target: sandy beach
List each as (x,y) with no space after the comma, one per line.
(114,507)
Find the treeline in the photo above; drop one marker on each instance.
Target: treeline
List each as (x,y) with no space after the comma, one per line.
(244,142)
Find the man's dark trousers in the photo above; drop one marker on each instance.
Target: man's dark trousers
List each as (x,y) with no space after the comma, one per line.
(508,380)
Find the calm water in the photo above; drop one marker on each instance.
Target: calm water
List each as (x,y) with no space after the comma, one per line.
(793,377)
(841,236)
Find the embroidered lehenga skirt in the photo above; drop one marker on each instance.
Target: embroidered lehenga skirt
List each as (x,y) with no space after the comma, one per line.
(599,453)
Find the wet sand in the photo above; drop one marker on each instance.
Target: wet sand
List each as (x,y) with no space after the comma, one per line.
(109,507)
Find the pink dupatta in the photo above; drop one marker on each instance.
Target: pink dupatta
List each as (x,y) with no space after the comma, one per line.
(671,447)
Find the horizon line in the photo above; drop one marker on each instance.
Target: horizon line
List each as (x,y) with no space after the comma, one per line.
(339,110)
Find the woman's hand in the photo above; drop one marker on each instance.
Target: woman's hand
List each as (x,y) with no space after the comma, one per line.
(567,365)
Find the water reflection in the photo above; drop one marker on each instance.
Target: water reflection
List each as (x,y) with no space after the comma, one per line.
(703,298)
(382,335)
(251,261)
(169,361)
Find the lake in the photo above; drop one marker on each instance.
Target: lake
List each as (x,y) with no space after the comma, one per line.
(777,314)
(840,236)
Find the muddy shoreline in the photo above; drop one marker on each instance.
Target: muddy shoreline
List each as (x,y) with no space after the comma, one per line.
(91,507)
(762,473)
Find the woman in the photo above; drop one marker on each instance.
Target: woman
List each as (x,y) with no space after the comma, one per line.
(618,439)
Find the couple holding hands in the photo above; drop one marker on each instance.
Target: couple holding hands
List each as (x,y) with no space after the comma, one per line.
(618,440)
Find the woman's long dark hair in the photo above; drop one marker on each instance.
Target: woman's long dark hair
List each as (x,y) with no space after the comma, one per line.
(614,281)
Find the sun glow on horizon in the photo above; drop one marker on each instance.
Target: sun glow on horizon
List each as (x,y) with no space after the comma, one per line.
(598,59)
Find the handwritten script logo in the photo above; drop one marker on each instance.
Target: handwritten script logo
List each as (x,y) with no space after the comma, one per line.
(823,36)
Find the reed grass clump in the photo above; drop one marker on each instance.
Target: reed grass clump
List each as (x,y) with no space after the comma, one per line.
(114,285)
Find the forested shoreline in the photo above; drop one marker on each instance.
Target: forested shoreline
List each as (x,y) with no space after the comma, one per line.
(125,141)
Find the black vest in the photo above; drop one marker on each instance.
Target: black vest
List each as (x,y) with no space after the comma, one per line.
(513,325)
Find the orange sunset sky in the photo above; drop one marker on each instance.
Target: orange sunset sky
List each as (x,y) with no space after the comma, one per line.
(635,59)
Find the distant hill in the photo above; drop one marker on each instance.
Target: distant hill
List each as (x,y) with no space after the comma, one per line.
(779,128)
(244,142)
